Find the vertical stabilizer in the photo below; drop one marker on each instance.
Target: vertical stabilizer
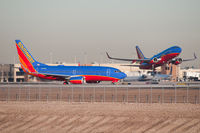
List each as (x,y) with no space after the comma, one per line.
(139,53)
(26,59)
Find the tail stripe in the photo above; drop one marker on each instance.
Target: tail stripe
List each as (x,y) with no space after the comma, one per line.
(22,63)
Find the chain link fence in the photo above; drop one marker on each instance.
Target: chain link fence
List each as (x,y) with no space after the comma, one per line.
(102,93)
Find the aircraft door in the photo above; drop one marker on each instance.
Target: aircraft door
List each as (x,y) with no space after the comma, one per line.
(108,72)
(74,72)
(37,67)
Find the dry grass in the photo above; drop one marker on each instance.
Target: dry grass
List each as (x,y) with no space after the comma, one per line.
(98,117)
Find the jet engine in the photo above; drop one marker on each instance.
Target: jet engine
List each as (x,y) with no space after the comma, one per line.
(177,61)
(155,60)
(77,80)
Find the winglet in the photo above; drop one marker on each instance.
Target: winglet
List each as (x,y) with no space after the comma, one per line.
(108,55)
(195,57)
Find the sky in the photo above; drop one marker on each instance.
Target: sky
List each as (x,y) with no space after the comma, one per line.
(83,30)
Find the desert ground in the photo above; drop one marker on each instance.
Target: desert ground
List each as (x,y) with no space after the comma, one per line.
(96,117)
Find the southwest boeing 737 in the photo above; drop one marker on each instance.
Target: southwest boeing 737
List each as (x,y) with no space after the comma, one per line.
(165,57)
(72,74)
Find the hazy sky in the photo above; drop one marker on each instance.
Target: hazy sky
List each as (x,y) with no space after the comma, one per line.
(89,28)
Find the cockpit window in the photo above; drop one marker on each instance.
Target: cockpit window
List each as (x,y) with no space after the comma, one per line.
(117,71)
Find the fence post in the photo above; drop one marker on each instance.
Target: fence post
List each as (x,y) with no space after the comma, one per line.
(104,94)
(195,99)
(123,99)
(16,97)
(72,93)
(29,93)
(127,95)
(94,98)
(187,92)
(91,98)
(69,98)
(151,94)
(26,96)
(19,93)
(83,95)
(199,95)
(163,95)
(47,97)
(39,92)
(57,97)
(136,99)
(184,99)
(175,94)
(60,93)
(147,99)
(116,94)
(8,94)
(171,99)
(139,95)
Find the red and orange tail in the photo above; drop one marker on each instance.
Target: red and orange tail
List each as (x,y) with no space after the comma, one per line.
(28,63)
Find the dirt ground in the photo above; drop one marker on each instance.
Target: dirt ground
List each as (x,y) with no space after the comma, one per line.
(64,117)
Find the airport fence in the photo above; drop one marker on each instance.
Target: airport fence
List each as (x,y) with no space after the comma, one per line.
(105,93)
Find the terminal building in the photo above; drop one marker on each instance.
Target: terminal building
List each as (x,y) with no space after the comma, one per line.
(13,72)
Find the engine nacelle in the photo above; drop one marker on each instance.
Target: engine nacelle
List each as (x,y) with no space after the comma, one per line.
(177,61)
(155,60)
(76,80)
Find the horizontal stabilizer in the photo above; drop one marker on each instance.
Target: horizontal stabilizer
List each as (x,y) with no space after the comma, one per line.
(131,65)
(194,58)
(122,59)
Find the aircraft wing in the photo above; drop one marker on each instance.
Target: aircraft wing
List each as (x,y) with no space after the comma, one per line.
(195,57)
(133,60)
(58,76)
(131,65)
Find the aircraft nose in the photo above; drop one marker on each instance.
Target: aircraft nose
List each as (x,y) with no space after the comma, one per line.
(178,49)
(123,75)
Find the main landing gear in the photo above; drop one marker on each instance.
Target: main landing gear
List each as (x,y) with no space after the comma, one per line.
(114,82)
(65,83)
(154,70)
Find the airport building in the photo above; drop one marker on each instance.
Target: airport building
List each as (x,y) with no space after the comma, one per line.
(189,74)
(13,73)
